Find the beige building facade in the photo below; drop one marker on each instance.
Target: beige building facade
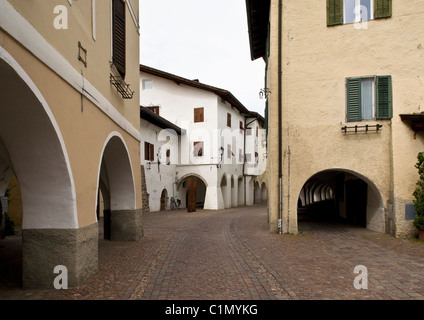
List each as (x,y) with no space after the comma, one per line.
(69,119)
(344,110)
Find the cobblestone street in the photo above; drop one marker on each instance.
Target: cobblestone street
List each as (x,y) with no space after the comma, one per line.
(230,254)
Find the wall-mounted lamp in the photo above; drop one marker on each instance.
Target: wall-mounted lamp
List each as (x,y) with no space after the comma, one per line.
(221,150)
(264,93)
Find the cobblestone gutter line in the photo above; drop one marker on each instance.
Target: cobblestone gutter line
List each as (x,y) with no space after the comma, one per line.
(267,286)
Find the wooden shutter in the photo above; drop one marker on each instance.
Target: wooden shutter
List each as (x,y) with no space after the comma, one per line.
(191,194)
(119,38)
(146,151)
(384,106)
(383,9)
(353,100)
(228,120)
(199,115)
(334,12)
(152,152)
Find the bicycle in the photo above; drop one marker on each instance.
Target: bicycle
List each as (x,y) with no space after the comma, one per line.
(175,203)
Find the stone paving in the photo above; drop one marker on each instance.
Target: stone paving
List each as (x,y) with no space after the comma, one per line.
(230,255)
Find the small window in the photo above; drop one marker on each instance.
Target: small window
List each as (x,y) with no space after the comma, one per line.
(198,149)
(351,11)
(199,115)
(257,131)
(241,125)
(248,157)
(147,84)
(240,155)
(149,151)
(153,109)
(248,131)
(228,120)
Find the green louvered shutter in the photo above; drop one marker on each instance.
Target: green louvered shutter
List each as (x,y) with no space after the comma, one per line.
(384,105)
(334,12)
(383,9)
(353,100)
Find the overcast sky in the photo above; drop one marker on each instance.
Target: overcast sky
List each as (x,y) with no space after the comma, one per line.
(203,39)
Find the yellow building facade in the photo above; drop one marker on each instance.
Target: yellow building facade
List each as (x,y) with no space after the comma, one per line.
(69,113)
(344,110)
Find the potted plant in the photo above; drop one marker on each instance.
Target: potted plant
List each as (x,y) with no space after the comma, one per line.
(419,197)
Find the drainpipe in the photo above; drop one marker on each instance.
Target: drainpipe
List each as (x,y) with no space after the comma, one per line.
(280,151)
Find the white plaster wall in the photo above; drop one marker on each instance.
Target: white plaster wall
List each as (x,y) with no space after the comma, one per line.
(158,179)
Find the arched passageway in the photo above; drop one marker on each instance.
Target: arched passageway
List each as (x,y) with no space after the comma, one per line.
(193,189)
(116,191)
(342,195)
(33,149)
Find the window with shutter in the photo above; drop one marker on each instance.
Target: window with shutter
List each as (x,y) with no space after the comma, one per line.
(119,36)
(199,115)
(369,98)
(228,120)
(149,151)
(353,11)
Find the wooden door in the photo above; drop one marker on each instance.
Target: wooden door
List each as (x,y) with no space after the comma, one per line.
(191,194)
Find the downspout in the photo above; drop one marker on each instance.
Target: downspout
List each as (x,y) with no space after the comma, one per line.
(280,151)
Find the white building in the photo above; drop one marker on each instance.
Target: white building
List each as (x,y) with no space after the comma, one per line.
(219,153)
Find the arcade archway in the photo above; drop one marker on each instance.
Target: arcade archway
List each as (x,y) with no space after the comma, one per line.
(342,195)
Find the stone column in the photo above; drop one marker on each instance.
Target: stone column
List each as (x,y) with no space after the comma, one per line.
(126,225)
(44,249)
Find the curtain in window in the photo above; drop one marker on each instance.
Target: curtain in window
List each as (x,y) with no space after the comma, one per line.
(367,99)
